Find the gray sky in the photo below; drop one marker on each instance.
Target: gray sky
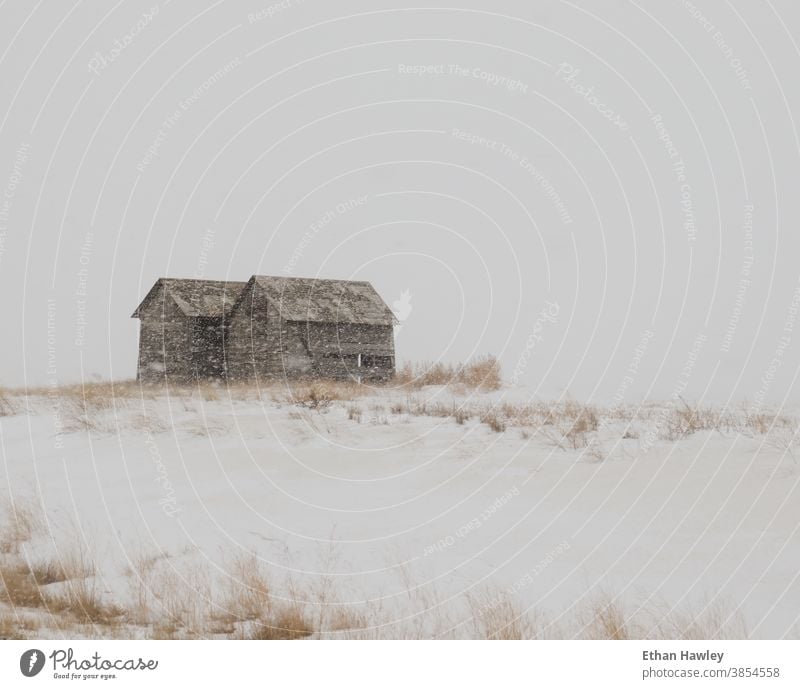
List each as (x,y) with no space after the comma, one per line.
(604,194)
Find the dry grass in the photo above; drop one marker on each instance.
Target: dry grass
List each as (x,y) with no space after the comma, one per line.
(494,421)
(10,629)
(180,606)
(80,600)
(287,623)
(21,520)
(319,395)
(501,618)
(31,586)
(461,415)
(685,419)
(568,425)
(20,589)
(606,620)
(354,413)
(482,373)
(248,596)
(8,406)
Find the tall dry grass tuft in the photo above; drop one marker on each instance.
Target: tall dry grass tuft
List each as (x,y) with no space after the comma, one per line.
(22,520)
(19,587)
(571,424)
(494,421)
(24,586)
(686,419)
(286,623)
(500,618)
(605,619)
(482,373)
(715,619)
(10,628)
(321,394)
(248,591)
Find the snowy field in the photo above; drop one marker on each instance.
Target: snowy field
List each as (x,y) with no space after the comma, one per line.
(330,511)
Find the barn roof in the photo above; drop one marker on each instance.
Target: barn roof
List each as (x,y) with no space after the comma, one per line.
(297,299)
(329,301)
(205,298)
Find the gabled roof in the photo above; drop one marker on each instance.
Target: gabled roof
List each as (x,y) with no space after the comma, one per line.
(328,301)
(205,298)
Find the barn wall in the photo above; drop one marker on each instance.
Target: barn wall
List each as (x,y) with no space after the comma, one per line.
(336,348)
(207,347)
(165,337)
(260,343)
(252,345)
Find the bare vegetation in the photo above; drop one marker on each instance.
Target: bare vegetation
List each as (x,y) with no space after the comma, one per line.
(483,373)
(21,519)
(170,601)
(7,405)
(321,394)
(108,408)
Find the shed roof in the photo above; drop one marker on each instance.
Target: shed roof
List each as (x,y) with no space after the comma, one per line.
(204,298)
(328,301)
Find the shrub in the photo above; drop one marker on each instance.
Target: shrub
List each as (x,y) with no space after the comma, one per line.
(573,424)
(287,624)
(461,415)
(491,419)
(482,373)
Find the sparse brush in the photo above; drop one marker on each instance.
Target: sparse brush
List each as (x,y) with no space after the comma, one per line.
(288,623)
(80,599)
(10,629)
(22,520)
(574,424)
(248,596)
(7,405)
(320,394)
(759,424)
(494,421)
(714,619)
(499,618)
(27,586)
(48,572)
(19,587)
(684,420)
(347,623)
(354,413)
(210,393)
(482,373)
(606,621)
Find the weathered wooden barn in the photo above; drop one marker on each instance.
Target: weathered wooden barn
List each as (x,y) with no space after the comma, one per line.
(265,328)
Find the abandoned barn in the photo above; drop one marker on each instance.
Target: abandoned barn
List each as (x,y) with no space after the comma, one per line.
(265,328)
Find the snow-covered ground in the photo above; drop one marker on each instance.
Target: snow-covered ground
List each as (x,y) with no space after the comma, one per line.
(411,514)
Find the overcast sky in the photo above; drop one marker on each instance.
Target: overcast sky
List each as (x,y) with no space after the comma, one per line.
(603,194)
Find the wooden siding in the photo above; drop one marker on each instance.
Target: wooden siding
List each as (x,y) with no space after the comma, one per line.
(254,340)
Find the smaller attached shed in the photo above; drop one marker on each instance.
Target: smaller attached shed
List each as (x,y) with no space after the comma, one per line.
(183,329)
